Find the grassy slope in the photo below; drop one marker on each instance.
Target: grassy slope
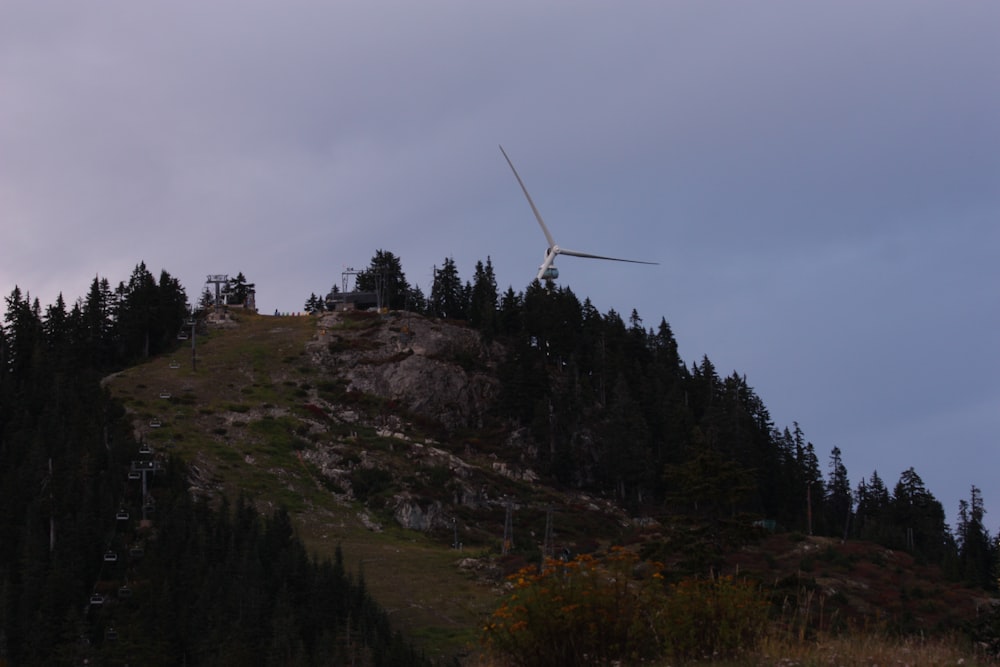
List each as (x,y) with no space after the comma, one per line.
(236,418)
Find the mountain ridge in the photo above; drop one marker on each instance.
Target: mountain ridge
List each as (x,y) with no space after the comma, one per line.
(376,431)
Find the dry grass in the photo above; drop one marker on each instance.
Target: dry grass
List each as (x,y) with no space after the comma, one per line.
(856,650)
(868,650)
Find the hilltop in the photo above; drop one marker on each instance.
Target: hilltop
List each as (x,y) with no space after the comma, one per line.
(379,433)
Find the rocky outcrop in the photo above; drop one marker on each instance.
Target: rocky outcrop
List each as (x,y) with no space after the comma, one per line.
(409,513)
(440,371)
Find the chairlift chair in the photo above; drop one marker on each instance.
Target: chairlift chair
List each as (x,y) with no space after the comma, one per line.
(164,394)
(155,423)
(124,592)
(134,475)
(96,599)
(145,449)
(175,364)
(136,552)
(110,557)
(182,336)
(122,515)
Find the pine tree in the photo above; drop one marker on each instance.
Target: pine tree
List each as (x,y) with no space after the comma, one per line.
(98,324)
(447,293)
(975,547)
(207,300)
(238,290)
(917,518)
(385,277)
(483,302)
(872,516)
(314,304)
(137,317)
(838,502)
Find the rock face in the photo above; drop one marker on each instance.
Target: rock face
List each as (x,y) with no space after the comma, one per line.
(440,371)
(409,514)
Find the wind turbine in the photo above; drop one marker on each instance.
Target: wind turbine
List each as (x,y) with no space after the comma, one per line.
(547,271)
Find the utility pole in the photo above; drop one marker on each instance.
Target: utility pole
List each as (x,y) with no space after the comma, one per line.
(508,529)
(194,359)
(809,507)
(548,548)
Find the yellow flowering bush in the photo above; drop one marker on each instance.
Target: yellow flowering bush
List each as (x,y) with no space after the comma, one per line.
(595,611)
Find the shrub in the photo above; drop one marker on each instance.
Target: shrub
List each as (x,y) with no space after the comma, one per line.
(369,482)
(598,611)
(584,611)
(719,616)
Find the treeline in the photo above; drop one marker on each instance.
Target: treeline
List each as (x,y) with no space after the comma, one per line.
(613,409)
(83,577)
(108,328)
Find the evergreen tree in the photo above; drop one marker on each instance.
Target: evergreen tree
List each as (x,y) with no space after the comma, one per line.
(173,314)
(314,304)
(838,502)
(137,316)
(872,516)
(150,313)
(975,547)
(483,301)
(811,489)
(447,298)
(385,277)
(626,463)
(416,302)
(511,311)
(207,299)
(23,328)
(917,519)
(238,290)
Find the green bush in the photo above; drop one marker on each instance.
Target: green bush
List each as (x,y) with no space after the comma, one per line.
(720,616)
(596,611)
(369,482)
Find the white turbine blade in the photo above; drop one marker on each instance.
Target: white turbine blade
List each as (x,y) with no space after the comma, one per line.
(538,216)
(574,253)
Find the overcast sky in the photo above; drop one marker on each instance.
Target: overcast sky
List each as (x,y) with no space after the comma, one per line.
(820,182)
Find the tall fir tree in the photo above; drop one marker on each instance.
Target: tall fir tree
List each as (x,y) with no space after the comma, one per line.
(447,298)
(384,276)
(839,503)
(483,301)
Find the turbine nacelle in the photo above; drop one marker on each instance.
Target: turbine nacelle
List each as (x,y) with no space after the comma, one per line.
(547,271)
